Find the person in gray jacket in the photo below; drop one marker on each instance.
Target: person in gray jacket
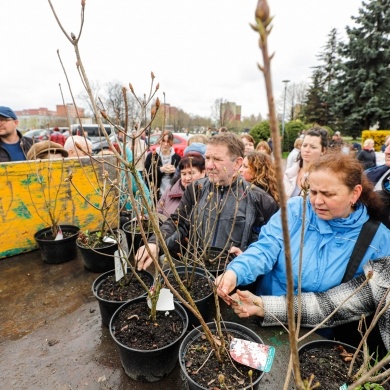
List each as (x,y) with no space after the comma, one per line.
(221,210)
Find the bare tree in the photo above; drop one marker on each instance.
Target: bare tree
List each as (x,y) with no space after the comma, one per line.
(295,97)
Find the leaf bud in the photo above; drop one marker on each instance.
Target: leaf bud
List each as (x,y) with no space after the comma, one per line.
(262,10)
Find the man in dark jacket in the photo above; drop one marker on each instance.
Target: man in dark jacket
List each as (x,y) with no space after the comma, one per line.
(222,210)
(13,146)
(377,174)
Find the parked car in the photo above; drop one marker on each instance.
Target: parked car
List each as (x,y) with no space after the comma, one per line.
(179,142)
(94,134)
(44,135)
(92,130)
(34,134)
(102,144)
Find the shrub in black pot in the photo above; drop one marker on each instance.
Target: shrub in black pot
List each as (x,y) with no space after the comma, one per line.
(56,251)
(112,294)
(97,253)
(195,350)
(148,350)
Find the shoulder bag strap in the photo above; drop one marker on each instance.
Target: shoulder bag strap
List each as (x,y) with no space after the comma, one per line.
(365,237)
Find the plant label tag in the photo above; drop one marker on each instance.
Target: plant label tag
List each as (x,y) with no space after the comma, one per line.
(344,387)
(109,239)
(165,301)
(59,235)
(120,265)
(254,355)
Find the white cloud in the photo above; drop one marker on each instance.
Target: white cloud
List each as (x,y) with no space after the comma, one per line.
(199,51)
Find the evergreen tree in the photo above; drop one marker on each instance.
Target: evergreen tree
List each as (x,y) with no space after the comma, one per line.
(315,107)
(362,93)
(318,107)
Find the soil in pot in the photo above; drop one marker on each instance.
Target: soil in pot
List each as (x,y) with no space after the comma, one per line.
(203,370)
(112,294)
(200,286)
(329,362)
(57,251)
(148,350)
(216,260)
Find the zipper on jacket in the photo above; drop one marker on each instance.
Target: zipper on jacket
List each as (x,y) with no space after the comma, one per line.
(218,219)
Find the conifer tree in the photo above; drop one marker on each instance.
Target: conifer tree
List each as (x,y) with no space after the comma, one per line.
(361,96)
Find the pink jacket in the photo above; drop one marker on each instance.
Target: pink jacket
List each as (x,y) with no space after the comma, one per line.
(169,202)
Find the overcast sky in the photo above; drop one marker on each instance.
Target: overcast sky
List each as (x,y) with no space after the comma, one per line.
(199,50)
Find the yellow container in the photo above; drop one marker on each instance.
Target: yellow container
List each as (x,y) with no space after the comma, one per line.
(30,188)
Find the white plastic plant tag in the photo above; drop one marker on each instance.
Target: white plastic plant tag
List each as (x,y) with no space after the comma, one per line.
(344,387)
(254,355)
(165,301)
(109,239)
(59,235)
(120,265)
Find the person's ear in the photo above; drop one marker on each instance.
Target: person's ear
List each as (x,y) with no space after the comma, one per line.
(238,163)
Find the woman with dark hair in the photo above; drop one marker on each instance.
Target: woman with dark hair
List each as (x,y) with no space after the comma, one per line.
(258,169)
(340,202)
(313,147)
(160,165)
(191,168)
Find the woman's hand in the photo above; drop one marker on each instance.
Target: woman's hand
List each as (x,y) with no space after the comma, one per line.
(168,168)
(225,284)
(246,304)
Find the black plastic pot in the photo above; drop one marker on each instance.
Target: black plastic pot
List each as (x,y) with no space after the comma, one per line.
(134,238)
(108,308)
(205,305)
(329,344)
(215,260)
(60,251)
(149,365)
(237,330)
(99,260)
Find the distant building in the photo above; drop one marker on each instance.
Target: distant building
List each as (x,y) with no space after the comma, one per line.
(42,118)
(230,112)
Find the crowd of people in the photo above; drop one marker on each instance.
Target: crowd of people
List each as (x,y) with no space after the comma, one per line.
(222,193)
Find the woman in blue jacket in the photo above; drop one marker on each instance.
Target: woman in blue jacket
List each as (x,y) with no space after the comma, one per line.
(340,201)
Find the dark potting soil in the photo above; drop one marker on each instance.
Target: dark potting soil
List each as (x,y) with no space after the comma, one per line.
(134,328)
(329,367)
(50,237)
(124,290)
(212,372)
(200,286)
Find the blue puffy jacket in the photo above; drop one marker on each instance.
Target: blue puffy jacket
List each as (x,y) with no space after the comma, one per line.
(327,248)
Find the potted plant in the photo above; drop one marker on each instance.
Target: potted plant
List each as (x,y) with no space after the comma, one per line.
(112,293)
(97,247)
(56,241)
(328,364)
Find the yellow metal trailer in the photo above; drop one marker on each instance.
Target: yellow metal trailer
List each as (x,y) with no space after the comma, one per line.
(29,189)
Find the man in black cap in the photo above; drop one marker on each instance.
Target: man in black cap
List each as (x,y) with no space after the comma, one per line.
(13,146)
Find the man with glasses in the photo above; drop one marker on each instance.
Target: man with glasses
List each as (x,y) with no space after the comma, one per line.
(13,146)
